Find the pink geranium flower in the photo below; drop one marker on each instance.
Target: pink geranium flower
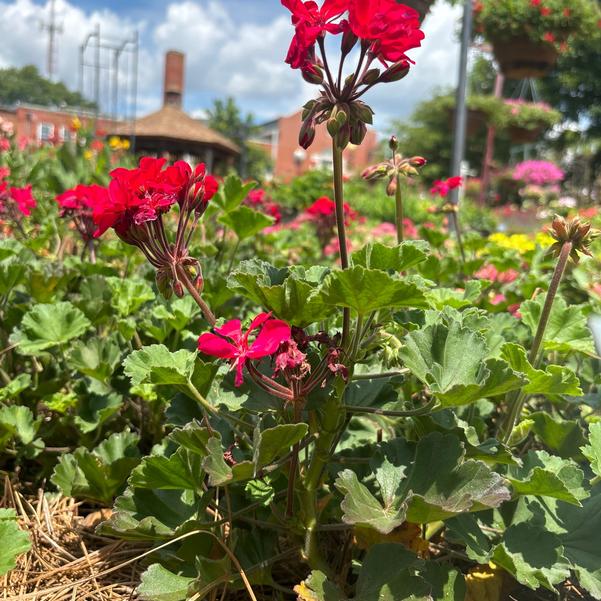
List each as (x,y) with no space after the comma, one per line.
(229,342)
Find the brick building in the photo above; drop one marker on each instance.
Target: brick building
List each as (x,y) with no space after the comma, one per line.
(48,125)
(279,139)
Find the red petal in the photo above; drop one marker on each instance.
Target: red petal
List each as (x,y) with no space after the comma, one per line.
(213,345)
(274,332)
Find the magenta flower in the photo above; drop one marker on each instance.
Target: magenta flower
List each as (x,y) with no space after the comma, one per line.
(231,343)
(539,173)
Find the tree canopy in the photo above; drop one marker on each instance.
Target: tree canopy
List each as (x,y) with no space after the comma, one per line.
(28,85)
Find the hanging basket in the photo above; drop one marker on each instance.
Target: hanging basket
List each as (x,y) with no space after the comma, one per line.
(521,58)
(421,6)
(476,121)
(521,135)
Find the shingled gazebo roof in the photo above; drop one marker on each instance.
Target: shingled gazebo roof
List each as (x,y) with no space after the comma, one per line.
(172,123)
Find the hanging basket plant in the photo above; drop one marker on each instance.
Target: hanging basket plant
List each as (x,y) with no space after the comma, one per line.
(526,122)
(482,111)
(527,36)
(421,6)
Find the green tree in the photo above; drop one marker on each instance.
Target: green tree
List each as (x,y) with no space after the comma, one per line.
(227,118)
(27,85)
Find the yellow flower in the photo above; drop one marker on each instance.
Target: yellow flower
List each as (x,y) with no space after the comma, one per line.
(76,124)
(543,239)
(114,142)
(88,155)
(519,242)
(125,144)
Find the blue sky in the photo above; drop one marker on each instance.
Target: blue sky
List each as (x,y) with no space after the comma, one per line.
(233,47)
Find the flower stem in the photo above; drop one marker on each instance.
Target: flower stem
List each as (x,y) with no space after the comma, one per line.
(457,228)
(399,211)
(339,198)
(206,311)
(516,400)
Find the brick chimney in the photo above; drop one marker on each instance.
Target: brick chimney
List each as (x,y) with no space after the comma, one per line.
(174,79)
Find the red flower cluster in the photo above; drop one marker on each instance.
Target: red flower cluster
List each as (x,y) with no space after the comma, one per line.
(20,199)
(137,196)
(443,187)
(78,204)
(134,207)
(260,201)
(385,27)
(324,208)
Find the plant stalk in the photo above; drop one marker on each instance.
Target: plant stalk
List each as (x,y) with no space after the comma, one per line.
(516,401)
(340,225)
(400,217)
(206,310)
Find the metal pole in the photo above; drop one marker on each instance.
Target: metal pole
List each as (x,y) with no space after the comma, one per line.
(97,71)
(461,106)
(136,43)
(489,152)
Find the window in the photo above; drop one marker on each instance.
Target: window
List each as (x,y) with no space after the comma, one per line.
(64,133)
(45,132)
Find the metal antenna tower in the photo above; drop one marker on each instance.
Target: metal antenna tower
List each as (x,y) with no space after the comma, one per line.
(53,30)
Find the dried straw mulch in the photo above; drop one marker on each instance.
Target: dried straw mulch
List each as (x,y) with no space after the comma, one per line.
(67,560)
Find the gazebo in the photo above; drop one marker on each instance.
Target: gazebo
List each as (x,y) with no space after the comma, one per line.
(172,133)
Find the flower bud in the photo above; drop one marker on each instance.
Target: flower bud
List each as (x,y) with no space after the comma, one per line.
(363,112)
(199,283)
(396,72)
(417,161)
(178,288)
(375,172)
(307,134)
(308,108)
(312,74)
(393,143)
(392,186)
(349,39)
(343,136)
(358,132)
(371,77)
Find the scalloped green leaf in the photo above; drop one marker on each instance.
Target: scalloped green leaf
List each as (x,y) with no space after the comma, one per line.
(156,364)
(245,222)
(47,326)
(437,356)
(273,442)
(391,258)
(367,290)
(159,584)
(592,451)
(129,294)
(14,540)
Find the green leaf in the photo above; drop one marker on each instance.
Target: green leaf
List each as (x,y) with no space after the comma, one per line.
(361,508)
(15,387)
(275,442)
(46,326)
(155,515)
(466,529)
(385,576)
(232,193)
(12,273)
(14,540)
(592,451)
(436,356)
(95,409)
(96,358)
(564,437)
(439,298)
(129,294)
(567,329)
(552,381)
(180,471)
(291,294)
(531,554)
(245,222)
(447,583)
(547,476)
(368,290)
(443,483)
(157,365)
(317,587)
(397,258)
(99,474)
(159,584)
(17,421)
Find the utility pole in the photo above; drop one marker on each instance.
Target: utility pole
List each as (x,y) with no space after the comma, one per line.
(53,29)
(461,104)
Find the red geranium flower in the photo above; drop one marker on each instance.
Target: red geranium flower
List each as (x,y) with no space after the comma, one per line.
(392,28)
(443,187)
(311,21)
(24,199)
(231,343)
(78,204)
